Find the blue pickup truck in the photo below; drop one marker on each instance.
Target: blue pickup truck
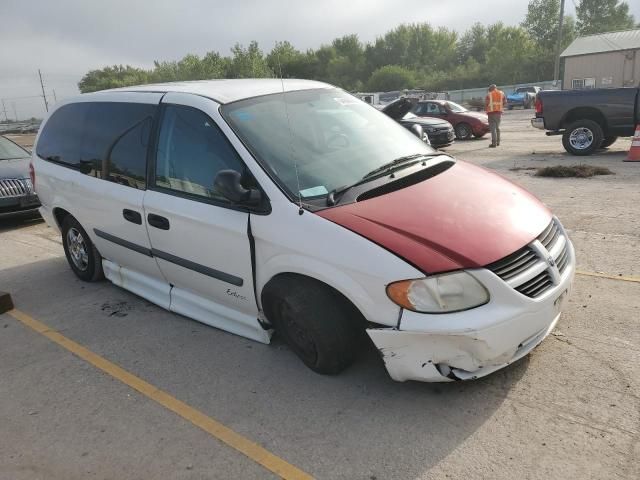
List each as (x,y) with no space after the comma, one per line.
(524,97)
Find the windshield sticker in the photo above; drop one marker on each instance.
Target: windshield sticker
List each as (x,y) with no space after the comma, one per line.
(314,191)
(243,116)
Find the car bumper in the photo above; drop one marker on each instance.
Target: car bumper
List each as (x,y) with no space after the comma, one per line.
(19,205)
(538,123)
(474,343)
(479,130)
(442,139)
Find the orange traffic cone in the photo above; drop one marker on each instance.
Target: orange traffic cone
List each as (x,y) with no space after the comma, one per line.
(634,151)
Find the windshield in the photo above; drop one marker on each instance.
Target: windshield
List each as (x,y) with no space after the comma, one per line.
(454,107)
(9,150)
(331,139)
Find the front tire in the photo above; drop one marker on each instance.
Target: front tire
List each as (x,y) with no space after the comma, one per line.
(608,141)
(81,253)
(582,137)
(463,131)
(317,323)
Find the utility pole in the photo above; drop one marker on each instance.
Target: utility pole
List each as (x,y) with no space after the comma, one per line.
(4,109)
(44,97)
(55,99)
(556,70)
(15,112)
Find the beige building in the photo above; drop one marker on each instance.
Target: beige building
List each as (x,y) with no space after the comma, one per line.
(606,60)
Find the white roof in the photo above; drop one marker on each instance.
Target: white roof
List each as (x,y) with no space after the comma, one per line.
(604,42)
(226,91)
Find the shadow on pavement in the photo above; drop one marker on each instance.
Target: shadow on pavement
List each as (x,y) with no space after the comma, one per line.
(359,424)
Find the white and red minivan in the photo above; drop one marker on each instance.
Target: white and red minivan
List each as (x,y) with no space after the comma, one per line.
(265,205)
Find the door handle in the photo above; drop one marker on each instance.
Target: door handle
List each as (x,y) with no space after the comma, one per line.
(132,216)
(157,221)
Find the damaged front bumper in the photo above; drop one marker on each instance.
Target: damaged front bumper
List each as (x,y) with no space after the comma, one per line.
(474,343)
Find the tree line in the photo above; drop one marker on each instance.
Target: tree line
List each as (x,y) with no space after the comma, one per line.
(414,55)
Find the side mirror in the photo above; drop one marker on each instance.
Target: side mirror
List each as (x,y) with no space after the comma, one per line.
(417,130)
(228,183)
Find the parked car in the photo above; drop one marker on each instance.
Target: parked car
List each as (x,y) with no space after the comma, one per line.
(524,97)
(16,188)
(440,131)
(588,119)
(466,124)
(262,205)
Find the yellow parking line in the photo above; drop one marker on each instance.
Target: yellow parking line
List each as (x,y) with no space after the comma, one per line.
(610,277)
(240,443)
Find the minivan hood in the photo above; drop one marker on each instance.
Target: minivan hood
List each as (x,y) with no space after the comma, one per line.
(14,168)
(465,217)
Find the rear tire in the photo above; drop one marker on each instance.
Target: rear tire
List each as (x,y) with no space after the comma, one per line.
(582,137)
(608,141)
(81,253)
(317,323)
(463,131)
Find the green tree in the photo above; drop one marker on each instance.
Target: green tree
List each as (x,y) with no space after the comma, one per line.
(542,22)
(391,77)
(112,77)
(599,16)
(512,56)
(248,62)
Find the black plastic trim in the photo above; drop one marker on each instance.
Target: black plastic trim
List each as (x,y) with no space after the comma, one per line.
(123,243)
(196,267)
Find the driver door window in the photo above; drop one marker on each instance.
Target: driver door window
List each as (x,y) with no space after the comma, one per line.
(433,109)
(191,152)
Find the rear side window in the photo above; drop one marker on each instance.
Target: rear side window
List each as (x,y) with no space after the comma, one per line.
(191,152)
(61,138)
(107,140)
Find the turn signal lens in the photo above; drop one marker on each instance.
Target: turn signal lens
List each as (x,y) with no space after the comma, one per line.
(449,292)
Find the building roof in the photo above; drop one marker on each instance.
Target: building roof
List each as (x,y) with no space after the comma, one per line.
(226,91)
(604,42)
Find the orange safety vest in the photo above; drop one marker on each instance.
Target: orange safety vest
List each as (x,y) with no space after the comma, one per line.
(496,99)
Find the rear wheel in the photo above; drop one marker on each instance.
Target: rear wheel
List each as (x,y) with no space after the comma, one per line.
(463,131)
(608,141)
(582,137)
(82,255)
(317,323)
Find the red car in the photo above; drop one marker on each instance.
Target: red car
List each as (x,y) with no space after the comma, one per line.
(465,122)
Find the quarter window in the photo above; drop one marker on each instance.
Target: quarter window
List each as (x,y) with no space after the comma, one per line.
(191,152)
(107,140)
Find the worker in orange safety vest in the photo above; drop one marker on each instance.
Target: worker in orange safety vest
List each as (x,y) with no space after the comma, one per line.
(494,104)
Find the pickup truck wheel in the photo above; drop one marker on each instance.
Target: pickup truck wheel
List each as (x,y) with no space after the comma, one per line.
(582,137)
(316,322)
(81,253)
(608,141)
(463,131)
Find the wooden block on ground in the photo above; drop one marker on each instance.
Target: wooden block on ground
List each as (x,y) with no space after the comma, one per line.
(6,303)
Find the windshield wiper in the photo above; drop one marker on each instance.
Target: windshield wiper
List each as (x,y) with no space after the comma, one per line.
(334,195)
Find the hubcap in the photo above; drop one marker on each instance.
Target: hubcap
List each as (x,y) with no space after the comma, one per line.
(581,138)
(77,249)
(463,132)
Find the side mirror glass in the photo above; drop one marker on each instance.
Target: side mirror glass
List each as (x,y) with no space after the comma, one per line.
(228,184)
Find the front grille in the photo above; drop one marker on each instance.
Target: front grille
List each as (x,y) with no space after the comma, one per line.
(539,266)
(15,187)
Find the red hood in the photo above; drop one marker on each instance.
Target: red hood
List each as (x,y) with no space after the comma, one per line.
(465,217)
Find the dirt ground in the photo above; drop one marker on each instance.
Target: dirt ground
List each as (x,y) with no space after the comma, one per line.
(569,410)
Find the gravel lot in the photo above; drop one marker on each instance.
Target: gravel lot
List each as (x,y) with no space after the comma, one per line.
(569,410)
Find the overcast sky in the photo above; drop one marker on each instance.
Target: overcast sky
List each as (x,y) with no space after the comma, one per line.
(66,38)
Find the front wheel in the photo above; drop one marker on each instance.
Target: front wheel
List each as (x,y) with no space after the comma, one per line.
(582,137)
(608,141)
(317,323)
(81,253)
(463,131)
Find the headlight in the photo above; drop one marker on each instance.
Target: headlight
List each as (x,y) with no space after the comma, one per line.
(449,292)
